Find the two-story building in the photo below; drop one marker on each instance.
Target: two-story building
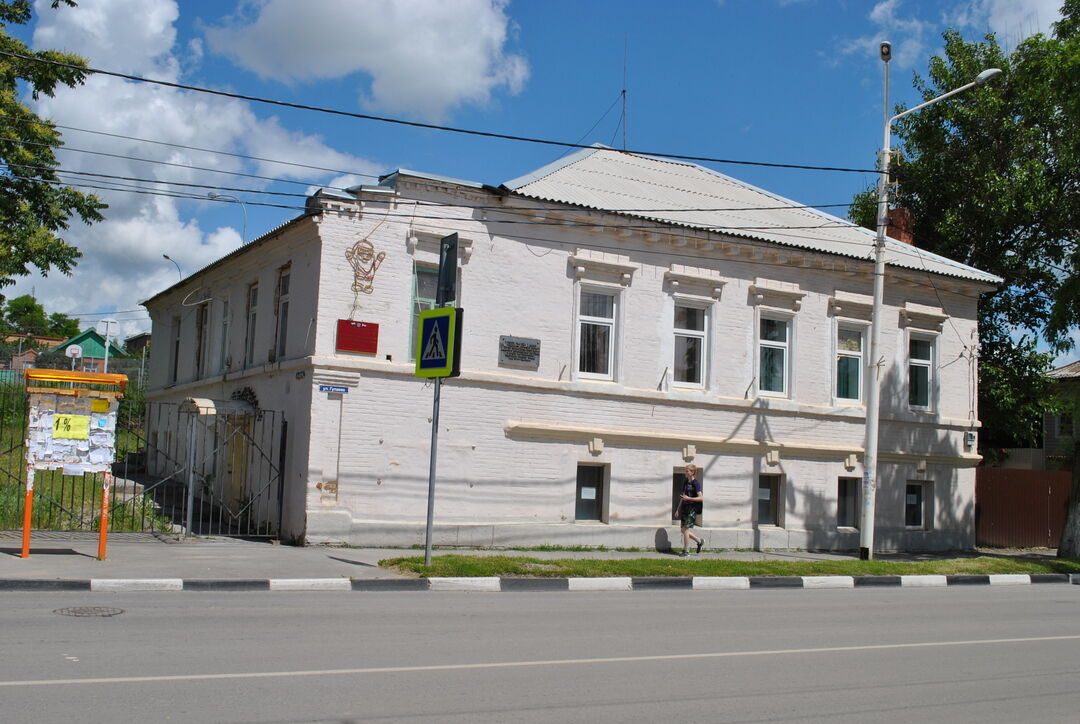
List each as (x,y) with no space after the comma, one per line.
(623,315)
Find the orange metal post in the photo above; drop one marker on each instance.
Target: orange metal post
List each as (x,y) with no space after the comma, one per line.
(103,533)
(28,509)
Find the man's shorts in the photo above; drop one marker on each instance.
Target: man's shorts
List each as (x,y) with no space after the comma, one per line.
(688,519)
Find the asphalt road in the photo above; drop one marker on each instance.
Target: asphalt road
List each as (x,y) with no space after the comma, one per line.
(1001,654)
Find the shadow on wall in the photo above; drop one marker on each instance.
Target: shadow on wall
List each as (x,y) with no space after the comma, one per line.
(662,541)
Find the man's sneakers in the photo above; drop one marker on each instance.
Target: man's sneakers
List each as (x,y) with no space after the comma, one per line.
(684,553)
(701,542)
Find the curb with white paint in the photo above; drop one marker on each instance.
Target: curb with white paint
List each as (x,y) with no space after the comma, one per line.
(495,585)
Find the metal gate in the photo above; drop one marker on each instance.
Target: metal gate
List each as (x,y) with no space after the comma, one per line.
(202,467)
(1020,508)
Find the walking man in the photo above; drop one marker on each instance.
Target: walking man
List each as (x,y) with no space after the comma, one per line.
(689,507)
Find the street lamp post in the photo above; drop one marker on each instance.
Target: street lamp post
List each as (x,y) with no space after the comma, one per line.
(243,207)
(108,324)
(166,256)
(873,396)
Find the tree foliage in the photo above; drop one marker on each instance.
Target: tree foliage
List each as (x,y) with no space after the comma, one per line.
(24,315)
(992,178)
(34,206)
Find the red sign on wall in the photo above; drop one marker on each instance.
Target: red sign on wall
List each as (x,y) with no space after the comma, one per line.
(357,336)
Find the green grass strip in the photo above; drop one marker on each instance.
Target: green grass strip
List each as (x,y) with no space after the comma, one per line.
(523,566)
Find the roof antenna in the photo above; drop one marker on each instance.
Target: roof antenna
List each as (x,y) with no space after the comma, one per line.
(626,54)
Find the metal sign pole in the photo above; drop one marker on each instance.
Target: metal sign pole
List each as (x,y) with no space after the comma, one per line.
(28,511)
(431,472)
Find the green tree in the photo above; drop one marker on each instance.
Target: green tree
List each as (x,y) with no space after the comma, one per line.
(23,315)
(34,206)
(992,178)
(61,325)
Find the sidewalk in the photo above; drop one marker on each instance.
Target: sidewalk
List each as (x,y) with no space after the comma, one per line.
(69,561)
(73,556)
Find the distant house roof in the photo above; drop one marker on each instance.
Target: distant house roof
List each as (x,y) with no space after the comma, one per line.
(685,194)
(1070,370)
(93,345)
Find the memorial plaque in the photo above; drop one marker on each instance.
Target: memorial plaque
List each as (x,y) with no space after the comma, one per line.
(519,352)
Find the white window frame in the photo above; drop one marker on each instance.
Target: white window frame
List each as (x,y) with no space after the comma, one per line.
(931,367)
(224,360)
(174,352)
(202,340)
(926,505)
(281,311)
(252,323)
(860,357)
(855,499)
(702,335)
(611,323)
(787,346)
(419,304)
(776,500)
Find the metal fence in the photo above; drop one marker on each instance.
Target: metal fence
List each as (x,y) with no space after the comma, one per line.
(177,471)
(1020,508)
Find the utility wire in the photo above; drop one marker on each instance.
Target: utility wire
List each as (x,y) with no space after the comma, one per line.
(414,124)
(122,137)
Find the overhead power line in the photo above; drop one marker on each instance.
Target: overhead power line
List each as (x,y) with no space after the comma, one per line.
(416,124)
(245,157)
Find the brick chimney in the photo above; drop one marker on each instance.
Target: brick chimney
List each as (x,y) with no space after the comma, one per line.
(900,226)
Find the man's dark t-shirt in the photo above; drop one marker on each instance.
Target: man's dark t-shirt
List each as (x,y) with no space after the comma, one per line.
(691,489)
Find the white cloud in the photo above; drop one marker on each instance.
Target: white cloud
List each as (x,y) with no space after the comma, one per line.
(1011,20)
(127,36)
(910,36)
(122,257)
(424,57)
(913,38)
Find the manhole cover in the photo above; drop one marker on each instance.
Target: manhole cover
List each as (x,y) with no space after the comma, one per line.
(99,611)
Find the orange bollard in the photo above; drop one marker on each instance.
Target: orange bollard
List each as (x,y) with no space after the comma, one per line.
(28,509)
(103,532)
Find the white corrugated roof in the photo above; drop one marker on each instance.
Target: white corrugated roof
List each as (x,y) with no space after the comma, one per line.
(689,195)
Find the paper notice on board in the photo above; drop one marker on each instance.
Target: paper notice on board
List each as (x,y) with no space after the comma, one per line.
(71,427)
(101,455)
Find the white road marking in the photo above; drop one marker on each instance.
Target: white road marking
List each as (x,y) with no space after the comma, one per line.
(518,664)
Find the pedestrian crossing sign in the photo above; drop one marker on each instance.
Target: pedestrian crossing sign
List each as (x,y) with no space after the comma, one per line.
(438,342)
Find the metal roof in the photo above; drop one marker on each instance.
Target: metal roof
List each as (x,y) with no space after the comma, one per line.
(1070,370)
(688,195)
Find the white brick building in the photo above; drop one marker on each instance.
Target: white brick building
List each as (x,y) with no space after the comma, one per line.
(658,312)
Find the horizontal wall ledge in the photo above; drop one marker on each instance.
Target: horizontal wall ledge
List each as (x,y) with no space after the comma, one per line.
(677,440)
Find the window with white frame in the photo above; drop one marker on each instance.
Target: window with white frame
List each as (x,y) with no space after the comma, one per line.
(202,338)
(174,363)
(918,500)
(252,318)
(921,366)
(223,343)
(425,287)
(847,502)
(691,345)
(591,500)
(774,356)
(849,363)
(282,311)
(769,501)
(596,333)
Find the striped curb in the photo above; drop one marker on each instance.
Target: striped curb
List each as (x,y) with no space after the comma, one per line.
(495,585)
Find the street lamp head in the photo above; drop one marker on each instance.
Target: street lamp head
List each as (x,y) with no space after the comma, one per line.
(987,75)
(886,50)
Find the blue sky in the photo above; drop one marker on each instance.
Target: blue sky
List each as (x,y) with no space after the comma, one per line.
(779,81)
